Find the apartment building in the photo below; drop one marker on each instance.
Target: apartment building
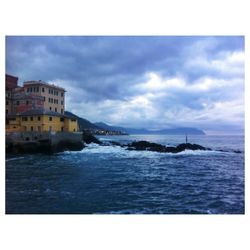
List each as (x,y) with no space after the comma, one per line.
(37,106)
(54,96)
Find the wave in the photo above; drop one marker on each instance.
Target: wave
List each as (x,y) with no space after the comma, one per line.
(122,152)
(15,158)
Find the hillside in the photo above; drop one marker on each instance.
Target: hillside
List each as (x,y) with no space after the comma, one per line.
(95,127)
(83,123)
(170,131)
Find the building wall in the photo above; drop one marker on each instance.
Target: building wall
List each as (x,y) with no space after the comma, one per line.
(8,106)
(71,125)
(13,125)
(10,85)
(25,104)
(41,123)
(54,97)
(11,81)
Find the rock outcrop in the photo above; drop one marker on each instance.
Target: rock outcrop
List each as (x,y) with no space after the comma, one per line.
(145,145)
(89,138)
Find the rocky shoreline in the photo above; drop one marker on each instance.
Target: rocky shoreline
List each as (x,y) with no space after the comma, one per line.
(73,143)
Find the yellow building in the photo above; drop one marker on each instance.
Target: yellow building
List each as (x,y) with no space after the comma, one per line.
(40,120)
(37,106)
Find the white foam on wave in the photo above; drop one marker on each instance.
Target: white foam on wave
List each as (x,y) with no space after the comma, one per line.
(122,152)
(114,151)
(198,152)
(14,158)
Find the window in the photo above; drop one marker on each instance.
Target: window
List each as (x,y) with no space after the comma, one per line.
(30,89)
(24,119)
(73,120)
(42,89)
(54,100)
(27,102)
(27,90)
(39,128)
(37,89)
(49,108)
(7,103)
(50,118)
(62,94)
(39,118)
(31,128)
(61,102)
(61,111)
(7,111)
(31,118)
(50,128)
(61,119)
(55,109)
(17,102)
(44,98)
(62,129)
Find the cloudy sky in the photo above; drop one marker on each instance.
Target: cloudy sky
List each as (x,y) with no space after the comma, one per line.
(143,82)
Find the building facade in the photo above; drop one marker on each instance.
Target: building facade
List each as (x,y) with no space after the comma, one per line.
(53,96)
(10,86)
(37,106)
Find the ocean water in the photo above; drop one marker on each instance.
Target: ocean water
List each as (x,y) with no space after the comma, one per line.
(113,180)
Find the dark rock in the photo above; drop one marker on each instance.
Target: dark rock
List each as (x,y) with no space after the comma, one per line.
(184,146)
(237,151)
(145,145)
(89,138)
(67,146)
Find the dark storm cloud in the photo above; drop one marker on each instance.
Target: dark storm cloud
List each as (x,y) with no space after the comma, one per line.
(112,73)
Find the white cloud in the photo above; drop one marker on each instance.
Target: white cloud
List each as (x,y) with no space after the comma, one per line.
(155,83)
(229,63)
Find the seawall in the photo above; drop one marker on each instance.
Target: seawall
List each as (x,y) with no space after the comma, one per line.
(43,142)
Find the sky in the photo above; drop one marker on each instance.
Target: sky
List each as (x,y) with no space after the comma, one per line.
(152,82)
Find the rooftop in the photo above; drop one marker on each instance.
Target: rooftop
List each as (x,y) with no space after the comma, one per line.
(40,112)
(40,82)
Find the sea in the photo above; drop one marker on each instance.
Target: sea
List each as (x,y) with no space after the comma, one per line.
(112,180)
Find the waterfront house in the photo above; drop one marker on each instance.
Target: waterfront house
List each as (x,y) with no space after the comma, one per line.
(37,106)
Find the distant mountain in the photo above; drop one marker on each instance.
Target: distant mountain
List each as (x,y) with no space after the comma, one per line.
(84,124)
(170,131)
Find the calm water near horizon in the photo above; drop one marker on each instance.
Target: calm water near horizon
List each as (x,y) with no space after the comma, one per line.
(113,180)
